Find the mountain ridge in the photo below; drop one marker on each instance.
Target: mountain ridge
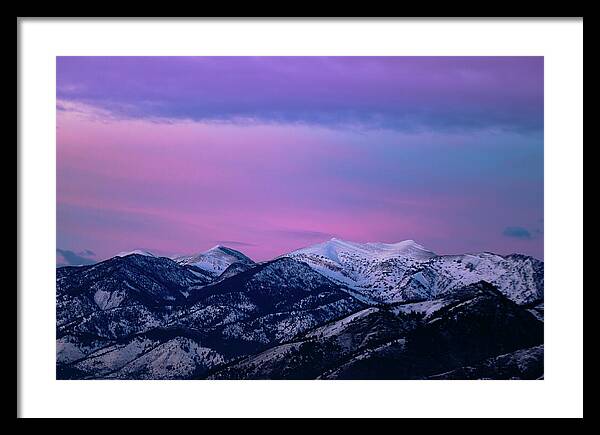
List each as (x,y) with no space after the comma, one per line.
(406,271)
(149,317)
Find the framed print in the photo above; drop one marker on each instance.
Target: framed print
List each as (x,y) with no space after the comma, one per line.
(316,219)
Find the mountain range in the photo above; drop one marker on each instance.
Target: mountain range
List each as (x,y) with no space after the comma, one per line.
(335,310)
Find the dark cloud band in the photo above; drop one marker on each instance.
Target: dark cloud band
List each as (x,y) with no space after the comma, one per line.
(399,93)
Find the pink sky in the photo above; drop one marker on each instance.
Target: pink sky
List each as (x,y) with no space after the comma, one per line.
(280,180)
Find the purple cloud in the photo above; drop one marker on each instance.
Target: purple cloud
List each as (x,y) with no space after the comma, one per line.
(400,93)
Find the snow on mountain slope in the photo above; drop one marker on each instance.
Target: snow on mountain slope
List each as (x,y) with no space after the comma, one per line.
(474,323)
(117,319)
(478,323)
(120,296)
(308,355)
(518,277)
(215,260)
(522,364)
(362,266)
(406,271)
(341,250)
(271,301)
(337,327)
(147,357)
(178,358)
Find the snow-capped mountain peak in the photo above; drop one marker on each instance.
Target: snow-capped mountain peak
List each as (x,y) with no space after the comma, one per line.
(407,271)
(363,266)
(215,260)
(215,248)
(137,252)
(336,249)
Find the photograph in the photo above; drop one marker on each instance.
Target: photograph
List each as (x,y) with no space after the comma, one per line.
(300,218)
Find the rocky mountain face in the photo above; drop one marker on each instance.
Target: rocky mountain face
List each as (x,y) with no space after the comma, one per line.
(119,319)
(476,323)
(521,364)
(338,310)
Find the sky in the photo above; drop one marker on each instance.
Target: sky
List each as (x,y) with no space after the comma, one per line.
(269,154)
